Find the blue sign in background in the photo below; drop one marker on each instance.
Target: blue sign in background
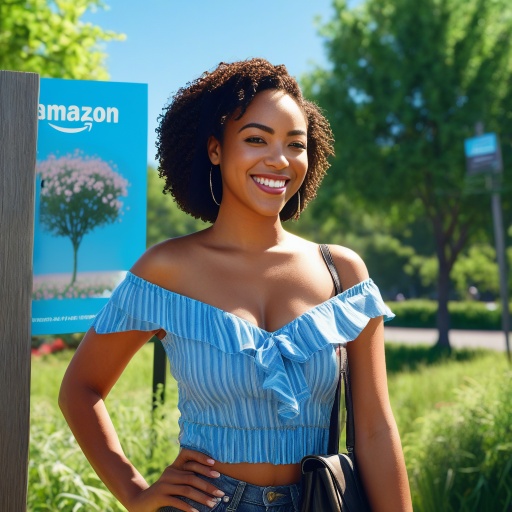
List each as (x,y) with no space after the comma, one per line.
(481,145)
(104,122)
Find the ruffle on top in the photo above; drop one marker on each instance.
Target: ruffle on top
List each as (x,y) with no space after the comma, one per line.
(137,304)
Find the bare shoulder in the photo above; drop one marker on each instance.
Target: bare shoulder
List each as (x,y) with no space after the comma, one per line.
(350,266)
(163,261)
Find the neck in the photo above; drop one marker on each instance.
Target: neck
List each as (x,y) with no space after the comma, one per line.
(247,231)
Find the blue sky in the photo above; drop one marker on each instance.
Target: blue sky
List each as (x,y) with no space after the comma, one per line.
(170,42)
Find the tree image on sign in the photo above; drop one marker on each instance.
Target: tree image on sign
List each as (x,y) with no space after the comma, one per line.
(78,195)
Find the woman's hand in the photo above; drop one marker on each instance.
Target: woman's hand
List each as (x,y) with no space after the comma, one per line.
(180,480)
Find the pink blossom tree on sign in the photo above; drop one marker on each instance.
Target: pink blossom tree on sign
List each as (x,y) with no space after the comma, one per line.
(79,194)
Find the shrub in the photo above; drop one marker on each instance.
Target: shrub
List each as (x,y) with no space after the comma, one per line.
(463,315)
(414,313)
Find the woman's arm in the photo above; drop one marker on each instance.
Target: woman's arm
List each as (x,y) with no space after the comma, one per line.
(377,442)
(93,371)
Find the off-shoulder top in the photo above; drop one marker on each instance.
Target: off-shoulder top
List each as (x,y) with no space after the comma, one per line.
(246,394)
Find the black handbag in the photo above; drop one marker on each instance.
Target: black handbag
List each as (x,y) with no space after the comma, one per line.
(330,483)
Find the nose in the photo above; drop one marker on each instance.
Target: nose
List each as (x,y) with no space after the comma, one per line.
(276,158)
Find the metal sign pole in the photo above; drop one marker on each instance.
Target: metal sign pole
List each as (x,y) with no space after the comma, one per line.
(483,155)
(159,373)
(500,253)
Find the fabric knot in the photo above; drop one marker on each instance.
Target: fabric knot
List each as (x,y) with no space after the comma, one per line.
(281,360)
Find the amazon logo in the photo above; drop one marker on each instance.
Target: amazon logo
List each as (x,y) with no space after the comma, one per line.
(87,116)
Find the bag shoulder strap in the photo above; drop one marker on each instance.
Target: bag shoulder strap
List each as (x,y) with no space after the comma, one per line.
(335,421)
(350,436)
(335,424)
(326,254)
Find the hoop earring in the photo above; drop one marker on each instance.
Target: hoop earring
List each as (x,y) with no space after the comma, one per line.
(297,213)
(211,188)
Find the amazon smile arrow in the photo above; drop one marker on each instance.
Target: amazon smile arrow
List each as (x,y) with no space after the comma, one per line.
(72,130)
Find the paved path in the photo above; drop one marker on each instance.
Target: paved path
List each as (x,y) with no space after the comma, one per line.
(494,340)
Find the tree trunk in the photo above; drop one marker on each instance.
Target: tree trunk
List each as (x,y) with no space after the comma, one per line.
(75,258)
(443,316)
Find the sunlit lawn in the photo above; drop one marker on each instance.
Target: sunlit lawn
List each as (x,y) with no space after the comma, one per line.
(421,380)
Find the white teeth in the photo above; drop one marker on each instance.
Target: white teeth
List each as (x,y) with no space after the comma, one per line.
(270,183)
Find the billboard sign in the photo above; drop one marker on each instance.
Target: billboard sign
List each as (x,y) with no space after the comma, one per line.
(90,217)
(483,154)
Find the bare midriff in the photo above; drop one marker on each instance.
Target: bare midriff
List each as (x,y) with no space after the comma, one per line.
(261,474)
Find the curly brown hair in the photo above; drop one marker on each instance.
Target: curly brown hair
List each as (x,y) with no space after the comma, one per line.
(201,109)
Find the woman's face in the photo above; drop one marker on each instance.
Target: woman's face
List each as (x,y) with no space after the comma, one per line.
(263,157)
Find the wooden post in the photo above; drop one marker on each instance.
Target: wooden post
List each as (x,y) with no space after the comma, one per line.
(19,95)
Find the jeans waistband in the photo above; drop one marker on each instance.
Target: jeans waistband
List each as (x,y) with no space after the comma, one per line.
(268,496)
(241,496)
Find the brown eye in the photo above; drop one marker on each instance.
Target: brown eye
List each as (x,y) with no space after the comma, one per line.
(254,140)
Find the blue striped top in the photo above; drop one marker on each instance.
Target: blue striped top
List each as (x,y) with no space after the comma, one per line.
(246,394)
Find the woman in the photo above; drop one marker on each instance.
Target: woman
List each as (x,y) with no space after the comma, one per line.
(246,313)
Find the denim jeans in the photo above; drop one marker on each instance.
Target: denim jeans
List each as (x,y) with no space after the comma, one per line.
(243,497)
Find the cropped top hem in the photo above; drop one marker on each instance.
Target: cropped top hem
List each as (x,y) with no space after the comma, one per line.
(202,339)
(277,446)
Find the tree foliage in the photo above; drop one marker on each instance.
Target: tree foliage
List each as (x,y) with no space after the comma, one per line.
(164,219)
(48,37)
(409,81)
(394,246)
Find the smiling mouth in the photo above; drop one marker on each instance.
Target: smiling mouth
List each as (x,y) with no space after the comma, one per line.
(269,182)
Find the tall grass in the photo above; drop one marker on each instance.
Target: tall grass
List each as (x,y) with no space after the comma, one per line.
(454,412)
(458,450)
(422,379)
(60,478)
(460,455)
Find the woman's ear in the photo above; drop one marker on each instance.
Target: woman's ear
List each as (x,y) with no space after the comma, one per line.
(214,150)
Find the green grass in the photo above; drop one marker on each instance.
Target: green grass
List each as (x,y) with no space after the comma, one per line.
(60,478)
(430,392)
(454,413)
(422,379)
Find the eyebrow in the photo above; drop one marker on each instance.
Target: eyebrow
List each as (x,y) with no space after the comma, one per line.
(270,130)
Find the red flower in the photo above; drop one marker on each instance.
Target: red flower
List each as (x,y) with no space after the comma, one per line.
(45,349)
(58,344)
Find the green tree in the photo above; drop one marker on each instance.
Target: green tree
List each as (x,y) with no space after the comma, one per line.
(48,37)
(164,219)
(478,267)
(408,82)
(393,246)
